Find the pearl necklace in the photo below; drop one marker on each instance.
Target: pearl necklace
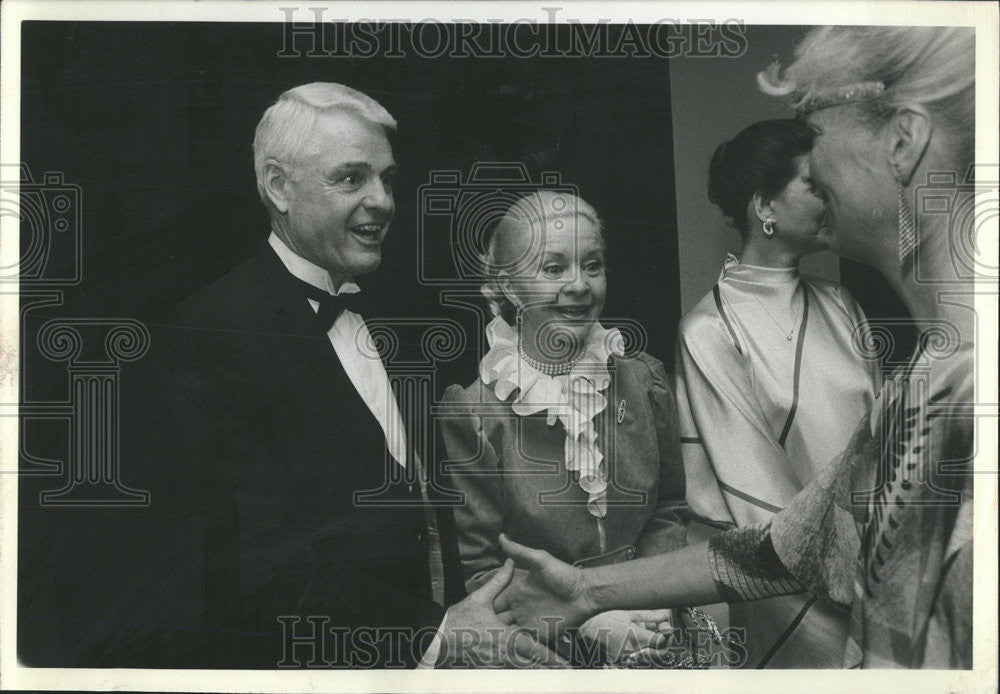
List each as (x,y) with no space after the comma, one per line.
(551,369)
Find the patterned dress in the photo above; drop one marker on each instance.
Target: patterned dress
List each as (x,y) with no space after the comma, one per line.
(887,530)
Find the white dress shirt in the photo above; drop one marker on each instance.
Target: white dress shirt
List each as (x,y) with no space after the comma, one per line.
(356,350)
(354,347)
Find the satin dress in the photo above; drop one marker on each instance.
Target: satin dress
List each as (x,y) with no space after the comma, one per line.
(771,383)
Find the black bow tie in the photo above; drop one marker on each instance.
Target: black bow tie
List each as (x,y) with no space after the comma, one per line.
(330,306)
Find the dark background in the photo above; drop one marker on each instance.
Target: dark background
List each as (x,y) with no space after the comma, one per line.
(154,122)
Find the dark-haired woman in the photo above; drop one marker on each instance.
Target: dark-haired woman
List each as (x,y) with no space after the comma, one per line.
(770,386)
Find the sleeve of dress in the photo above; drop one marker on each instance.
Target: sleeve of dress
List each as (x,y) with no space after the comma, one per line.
(745,566)
(722,427)
(473,469)
(665,531)
(816,536)
(949,642)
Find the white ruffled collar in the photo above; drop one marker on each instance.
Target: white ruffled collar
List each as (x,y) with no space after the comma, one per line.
(574,399)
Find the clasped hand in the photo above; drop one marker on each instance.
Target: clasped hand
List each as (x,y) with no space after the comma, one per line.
(474,635)
(549,597)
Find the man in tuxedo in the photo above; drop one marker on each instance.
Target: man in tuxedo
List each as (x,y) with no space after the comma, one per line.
(292,499)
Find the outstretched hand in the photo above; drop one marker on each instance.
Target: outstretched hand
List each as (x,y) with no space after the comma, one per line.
(547,600)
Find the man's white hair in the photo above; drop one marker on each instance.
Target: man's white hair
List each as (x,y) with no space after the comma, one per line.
(283,131)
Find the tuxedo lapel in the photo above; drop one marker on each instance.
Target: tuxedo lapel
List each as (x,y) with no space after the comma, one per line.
(310,351)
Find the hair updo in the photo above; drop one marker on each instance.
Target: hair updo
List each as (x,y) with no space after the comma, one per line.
(760,159)
(532,213)
(932,66)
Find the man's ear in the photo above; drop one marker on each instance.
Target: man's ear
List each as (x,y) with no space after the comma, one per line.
(275,183)
(909,133)
(762,207)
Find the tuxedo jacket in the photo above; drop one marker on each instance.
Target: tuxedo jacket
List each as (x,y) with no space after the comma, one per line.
(280,532)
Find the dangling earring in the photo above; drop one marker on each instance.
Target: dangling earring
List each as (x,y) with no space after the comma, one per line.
(768,227)
(508,304)
(907,230)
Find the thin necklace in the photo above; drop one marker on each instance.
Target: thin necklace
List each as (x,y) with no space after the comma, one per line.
(787,333)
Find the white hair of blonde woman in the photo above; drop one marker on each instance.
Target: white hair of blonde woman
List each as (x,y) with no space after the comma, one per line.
(931,66)
(284,129)
(531,213)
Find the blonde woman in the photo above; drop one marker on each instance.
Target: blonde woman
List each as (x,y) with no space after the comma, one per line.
(563,441)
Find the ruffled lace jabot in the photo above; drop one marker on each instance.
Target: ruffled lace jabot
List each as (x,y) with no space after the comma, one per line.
(574,399)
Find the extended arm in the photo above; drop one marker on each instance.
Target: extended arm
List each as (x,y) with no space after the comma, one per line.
(737,565)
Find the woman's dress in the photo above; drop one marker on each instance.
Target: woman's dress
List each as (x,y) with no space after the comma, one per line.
(586,466)
(771,384)
(886,531)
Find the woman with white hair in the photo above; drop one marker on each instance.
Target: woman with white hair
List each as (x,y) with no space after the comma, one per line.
(563,441)
(886,531)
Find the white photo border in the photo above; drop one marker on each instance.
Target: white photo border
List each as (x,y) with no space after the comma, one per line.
(983,16)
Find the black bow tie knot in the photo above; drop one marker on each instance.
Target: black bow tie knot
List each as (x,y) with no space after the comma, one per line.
(330,306)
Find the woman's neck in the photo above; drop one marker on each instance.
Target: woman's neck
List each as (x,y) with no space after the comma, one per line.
(930,285)
(764,252)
